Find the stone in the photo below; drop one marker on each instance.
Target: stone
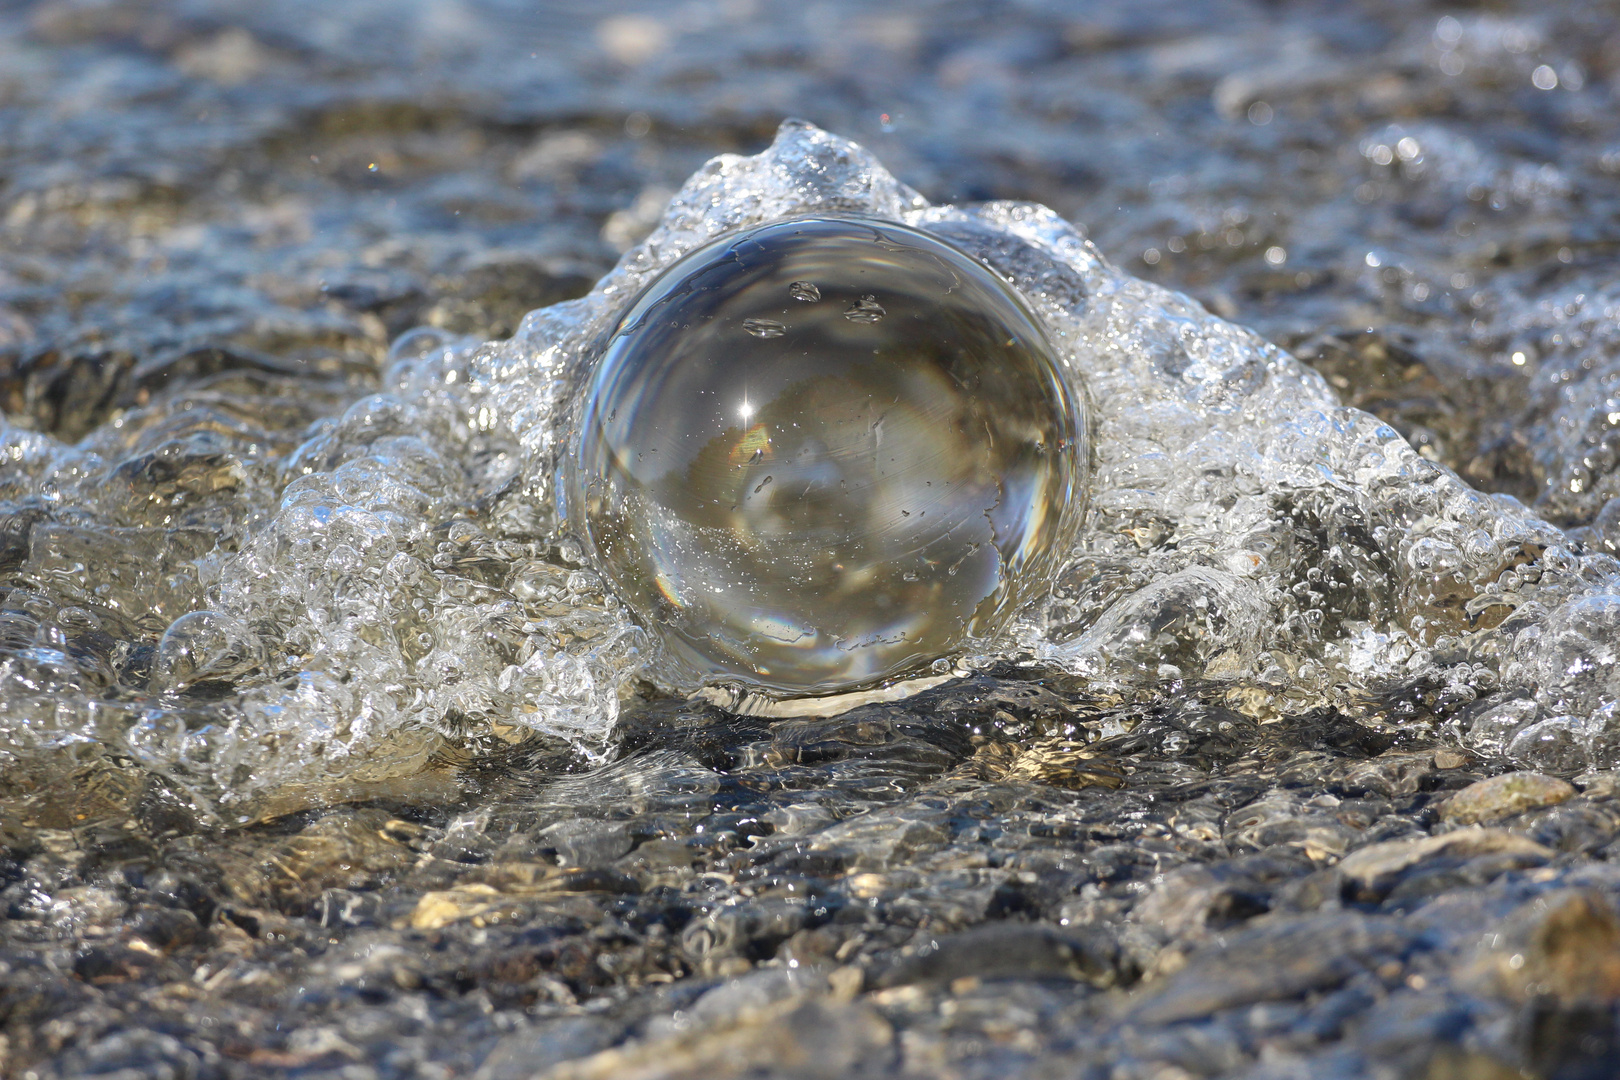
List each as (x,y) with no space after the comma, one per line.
(813,1039)
(1569,949)
(1599,783)
(1274,961)
(1370,873)
(1014,950)
(1503,796)
(1447,758)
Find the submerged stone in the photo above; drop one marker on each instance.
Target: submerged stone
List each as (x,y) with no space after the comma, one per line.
(1503,796)
(826,451)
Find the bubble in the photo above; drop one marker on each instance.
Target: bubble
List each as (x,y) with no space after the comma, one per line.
(804,290)
(205,646)
(806,512)
(865,310)
(764,328)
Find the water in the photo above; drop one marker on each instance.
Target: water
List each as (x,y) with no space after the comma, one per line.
(1248,537)
(850,502)
(327,748)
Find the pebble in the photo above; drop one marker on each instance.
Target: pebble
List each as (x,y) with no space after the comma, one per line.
(1020,950)
(1563,946)
(1371,872)
(803,1038)
(1503,796)
(1274,961)
(1575,949)
(1445,758)
(1600,783)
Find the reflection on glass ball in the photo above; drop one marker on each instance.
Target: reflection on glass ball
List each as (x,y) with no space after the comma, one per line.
(825,452)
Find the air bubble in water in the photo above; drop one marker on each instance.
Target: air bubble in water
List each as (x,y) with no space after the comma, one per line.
(764,328)
(205,646)
(865,310)
(845,501)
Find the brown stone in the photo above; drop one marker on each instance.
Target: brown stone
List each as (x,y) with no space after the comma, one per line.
(1503,796)
(1575,949)
(1446,758)
(1455,1063)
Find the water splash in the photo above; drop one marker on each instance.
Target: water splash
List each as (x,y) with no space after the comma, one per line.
(264,619)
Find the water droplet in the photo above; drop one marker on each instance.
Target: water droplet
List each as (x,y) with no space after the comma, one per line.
(764,328)
(865,310)
(804,290)
(798,486)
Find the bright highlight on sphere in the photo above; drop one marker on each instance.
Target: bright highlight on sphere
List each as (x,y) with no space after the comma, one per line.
(824,452)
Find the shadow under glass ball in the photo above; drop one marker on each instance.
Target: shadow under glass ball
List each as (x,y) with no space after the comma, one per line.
(825,452)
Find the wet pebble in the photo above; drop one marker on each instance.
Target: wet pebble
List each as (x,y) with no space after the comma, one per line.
(1013,950)
(1277,960)
(1371,873)
(1561,948)
(813,1038)
(1503,796)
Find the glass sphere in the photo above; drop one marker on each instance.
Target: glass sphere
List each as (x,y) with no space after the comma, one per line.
(824,452)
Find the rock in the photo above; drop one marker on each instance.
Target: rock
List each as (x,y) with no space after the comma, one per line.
(1285,819)
(491,296)
(811,1039)
(1275,961)
(1392,773)
(754,930)
(1406,1024)
(1453,1063)
(582,842)
(440,908)
(1446,758)
(1577,825)
(1558,958)
(345,907)
(1599,783)
(1503,796)
(1572,951)
(740,998)
(1060,762)
(881,840)
(1570,1042)
(521,1054)
(1196,899)
(1369,874)
(1014,950)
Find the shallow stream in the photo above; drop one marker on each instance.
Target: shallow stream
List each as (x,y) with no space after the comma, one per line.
(327,747)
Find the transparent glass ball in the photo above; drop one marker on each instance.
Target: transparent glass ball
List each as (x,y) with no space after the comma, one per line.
(825,452)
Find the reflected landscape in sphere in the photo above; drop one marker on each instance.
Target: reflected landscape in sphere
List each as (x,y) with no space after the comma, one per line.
(823,452)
